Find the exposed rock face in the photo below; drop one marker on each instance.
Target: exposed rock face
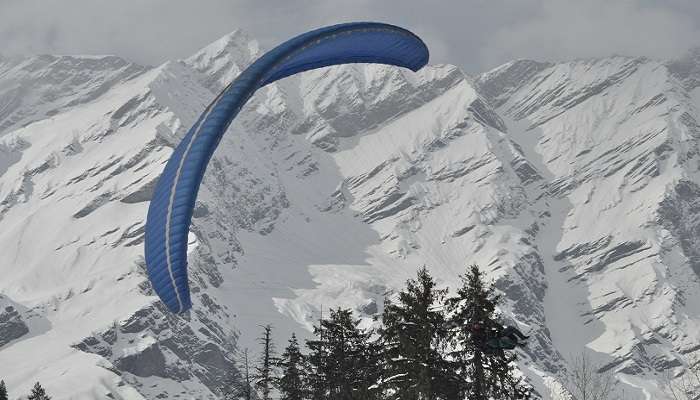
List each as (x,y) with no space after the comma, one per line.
(153,343)
(11,326)
(678,214)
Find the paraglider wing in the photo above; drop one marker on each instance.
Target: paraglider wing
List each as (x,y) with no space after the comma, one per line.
(170,210)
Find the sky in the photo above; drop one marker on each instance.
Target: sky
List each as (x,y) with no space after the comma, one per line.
(474,34)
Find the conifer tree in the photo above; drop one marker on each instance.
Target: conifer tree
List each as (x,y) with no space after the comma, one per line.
(348,352)
(369,370)
(316,380)
(38,393)
(3,391)
(413,337)
(485,373)
(291,384)
(264,377)
(345,364)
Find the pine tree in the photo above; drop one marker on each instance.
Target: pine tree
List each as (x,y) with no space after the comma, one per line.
(3,391)
(316,380)
(38,393)
(369,371)
(348,365)
(344,363)
(413,336)
(485,373)
(291,384)
(264,377)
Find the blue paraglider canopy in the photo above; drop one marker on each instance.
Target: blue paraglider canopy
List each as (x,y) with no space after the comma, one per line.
(170,210)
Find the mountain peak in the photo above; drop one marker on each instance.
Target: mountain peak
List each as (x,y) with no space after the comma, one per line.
(499,82)
(238,46)
(225,58)
(235,40)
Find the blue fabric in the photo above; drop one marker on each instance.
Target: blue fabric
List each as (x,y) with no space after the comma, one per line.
(170,210)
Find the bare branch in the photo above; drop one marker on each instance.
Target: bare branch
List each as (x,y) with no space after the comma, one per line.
(584,381)
(687,385)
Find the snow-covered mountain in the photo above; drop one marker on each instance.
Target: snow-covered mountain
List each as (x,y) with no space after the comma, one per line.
(616,141)
(573,185)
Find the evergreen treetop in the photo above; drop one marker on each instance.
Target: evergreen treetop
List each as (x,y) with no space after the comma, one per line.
(38,393)
(485,372)
(343,360)
(291,384)
(413,337)
(3,391)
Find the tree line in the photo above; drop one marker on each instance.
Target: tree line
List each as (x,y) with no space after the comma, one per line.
(428,346)
(37,393)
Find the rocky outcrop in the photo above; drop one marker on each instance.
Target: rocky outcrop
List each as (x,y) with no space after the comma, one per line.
(12,326)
